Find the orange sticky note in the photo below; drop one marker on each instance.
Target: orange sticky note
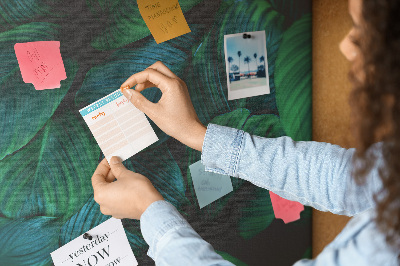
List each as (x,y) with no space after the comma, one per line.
(41,64)
(164,18)
(288,211)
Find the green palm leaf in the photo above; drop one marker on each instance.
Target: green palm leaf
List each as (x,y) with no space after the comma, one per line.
(88,217)
(293,80)
(51,175)
(122,22)
(231,258)
(23,110)
(257,212)
(16,12)
(28,241)
(159,166)
(206,77)
(291,9)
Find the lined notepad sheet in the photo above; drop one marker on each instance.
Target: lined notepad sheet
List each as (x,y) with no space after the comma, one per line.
(118,126)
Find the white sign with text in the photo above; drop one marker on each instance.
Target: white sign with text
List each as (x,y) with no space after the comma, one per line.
(109,246)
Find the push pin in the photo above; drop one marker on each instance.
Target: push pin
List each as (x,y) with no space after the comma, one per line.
(246,36)
(87,236)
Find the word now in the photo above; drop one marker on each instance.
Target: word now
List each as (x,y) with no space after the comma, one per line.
(93,259)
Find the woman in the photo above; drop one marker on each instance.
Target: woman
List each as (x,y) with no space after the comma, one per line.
(317,174)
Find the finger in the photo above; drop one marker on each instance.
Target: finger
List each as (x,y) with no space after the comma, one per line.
(140,102)
(110,177)
(117,167)
(143,86)
(160,67)
(100,174)
(160,80)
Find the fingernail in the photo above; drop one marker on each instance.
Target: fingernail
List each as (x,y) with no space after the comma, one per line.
(125,88)
(115,160)
(128,94)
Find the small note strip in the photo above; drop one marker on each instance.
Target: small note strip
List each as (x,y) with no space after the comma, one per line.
(109,246)
(287,210)
(118,126)
(164,18)
(41,64)
(209,186)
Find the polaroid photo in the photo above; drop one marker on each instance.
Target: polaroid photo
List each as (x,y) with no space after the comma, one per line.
(246,64)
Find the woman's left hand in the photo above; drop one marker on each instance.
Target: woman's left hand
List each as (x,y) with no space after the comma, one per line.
(127,197)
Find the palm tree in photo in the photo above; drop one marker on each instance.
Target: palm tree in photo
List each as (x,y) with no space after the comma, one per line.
(255,57)
(239,54)
(230,60)
(247,60)
(262,59)
(234,68)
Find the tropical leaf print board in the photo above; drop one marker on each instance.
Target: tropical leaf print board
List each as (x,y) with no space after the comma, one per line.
(48,155)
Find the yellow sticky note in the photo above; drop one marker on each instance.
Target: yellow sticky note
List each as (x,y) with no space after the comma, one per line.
(164,18)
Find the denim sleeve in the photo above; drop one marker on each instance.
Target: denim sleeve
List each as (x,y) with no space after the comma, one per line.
(312,173)
(172,241)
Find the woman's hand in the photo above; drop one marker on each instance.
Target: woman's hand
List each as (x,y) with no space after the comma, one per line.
(128,197)
(174,112)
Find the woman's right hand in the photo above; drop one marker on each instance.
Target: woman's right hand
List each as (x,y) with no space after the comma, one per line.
(174,112)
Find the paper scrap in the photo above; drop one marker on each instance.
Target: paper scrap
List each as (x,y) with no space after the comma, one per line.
(288,211)
(41,64)
(118,126)
(108,246)
(209,186)
(164,19)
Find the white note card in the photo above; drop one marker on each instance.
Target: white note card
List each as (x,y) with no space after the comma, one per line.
(209,186)
(118,126)
(109,247)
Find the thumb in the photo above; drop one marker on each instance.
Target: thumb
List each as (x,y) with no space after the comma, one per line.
(138,100)
(117,167)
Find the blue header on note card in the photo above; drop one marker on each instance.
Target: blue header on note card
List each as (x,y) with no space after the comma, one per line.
(101,102)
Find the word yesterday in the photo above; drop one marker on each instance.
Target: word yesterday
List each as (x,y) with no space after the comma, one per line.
(89,246)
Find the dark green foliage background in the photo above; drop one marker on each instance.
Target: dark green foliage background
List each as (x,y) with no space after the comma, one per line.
(47,153)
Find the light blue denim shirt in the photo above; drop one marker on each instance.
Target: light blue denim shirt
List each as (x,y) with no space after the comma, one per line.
(312,173)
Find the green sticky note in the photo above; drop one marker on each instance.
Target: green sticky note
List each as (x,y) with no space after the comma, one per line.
(209,186)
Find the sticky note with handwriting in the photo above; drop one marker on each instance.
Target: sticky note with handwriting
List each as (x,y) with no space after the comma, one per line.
(209,186)
(118,126)
(41,64)
(287,210)
(108,246)
(164,19)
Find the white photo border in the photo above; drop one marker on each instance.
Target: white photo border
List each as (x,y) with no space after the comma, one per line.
(248,92)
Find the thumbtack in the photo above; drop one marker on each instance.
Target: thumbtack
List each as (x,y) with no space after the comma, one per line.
(87,236)
(246,36)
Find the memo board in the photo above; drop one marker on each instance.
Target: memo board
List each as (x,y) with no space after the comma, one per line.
(48,155)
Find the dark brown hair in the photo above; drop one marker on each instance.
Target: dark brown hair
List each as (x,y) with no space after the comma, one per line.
(376,101)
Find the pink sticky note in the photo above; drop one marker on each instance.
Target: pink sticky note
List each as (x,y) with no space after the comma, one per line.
(41,64)
(284,209)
